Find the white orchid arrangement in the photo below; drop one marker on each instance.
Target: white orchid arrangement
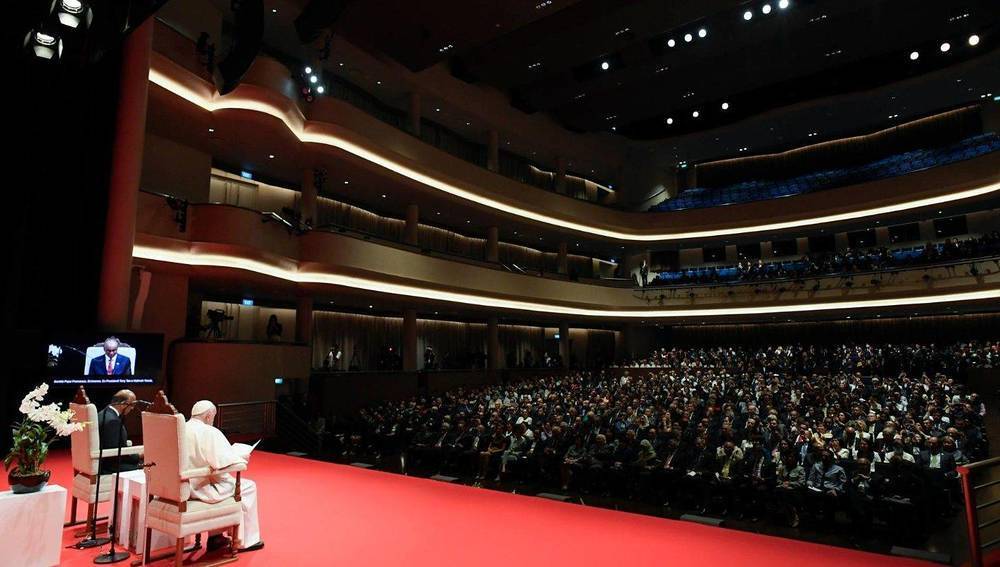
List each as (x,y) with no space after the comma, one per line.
(40,427)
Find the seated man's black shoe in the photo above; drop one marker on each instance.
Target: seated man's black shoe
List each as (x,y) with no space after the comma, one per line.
(254,547)
(217,541)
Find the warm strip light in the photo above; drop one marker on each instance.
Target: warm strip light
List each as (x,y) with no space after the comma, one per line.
(227,261)
(298,126)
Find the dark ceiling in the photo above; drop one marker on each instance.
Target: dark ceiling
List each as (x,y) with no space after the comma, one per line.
(547,55)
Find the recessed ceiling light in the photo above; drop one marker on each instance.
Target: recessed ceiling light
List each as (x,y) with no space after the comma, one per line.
(270,156)
(378,82)
(914,55)
(688,37)
(670,121)
(973,40)
(748,15)
(725,106)
(945,47)
(671,42)
(321,89)
(309,70)
(702,32)
(274,10)
(695,114)
(346,182)
(605,65)
(437,110)
(313,79)
(782,4)
(383,195)
(766,8)
(371,307)
(210,130)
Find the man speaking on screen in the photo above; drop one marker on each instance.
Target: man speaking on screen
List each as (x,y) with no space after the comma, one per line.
(111,363)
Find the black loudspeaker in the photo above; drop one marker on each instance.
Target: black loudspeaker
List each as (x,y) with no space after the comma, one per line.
(247,35)
(317,17)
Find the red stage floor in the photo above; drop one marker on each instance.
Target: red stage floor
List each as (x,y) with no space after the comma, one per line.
(315,513)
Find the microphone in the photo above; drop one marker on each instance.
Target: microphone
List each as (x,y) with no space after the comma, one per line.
(143,403)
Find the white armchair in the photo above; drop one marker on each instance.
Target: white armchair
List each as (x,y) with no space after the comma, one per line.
(170,511)
(85,448)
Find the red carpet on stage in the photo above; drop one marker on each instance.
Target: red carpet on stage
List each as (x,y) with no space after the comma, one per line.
(315,513)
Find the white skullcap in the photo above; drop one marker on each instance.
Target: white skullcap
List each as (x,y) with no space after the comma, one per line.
(201,407)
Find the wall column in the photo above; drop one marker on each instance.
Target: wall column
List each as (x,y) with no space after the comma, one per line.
(802,245)
(415,113)
(492,244)
(410,340)
(493,150)
(881,236)
(126,171)
(840,241)
(304,320)
(562,259)
(564,351)
(560,175)
(309,191)
(493,343)
(411,231)
(927,232)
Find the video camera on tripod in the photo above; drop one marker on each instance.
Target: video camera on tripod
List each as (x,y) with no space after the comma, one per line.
(216,317)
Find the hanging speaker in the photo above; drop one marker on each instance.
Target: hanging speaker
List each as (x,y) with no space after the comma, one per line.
(317,17)
(247,35)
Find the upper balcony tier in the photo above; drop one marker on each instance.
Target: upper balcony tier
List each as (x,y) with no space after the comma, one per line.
(265,117)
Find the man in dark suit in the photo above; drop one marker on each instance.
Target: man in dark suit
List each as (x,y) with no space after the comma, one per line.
(113,432)
(112,363)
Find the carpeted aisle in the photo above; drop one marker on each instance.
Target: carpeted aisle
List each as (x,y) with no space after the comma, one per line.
(315,513)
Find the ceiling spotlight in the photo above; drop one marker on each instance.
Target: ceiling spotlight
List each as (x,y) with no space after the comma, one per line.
(973,40)
(945,47)
(670,121)
(748,15)
(73,13)
(309,70)
(688,37)
(270,156)
(914,55)
(766,8)
(313,79)
(782,4)
(321,89)
(347,182)
(704,32)
(605,65)
(437,110)
(725,106)
(211,130)
(695,114)
(671,42)
(43,45)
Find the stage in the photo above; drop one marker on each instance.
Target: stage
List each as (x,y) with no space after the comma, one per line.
(315,513)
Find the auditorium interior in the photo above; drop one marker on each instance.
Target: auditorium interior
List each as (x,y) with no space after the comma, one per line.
(542,282)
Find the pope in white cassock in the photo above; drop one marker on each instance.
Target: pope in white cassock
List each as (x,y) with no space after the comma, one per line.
(208,447)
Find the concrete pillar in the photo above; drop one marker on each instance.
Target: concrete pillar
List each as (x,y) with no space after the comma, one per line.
(881,236)
(493,343)
(492,244)
(840,241)
(560,186)
(309,191)
(415,114)
(732,256)
(766,249)
(802,245)
(493,150)
(619,345)
(304,320)
(412,229)
(126,171)
(564,344)
(562,259)
(410,340)
(927,232)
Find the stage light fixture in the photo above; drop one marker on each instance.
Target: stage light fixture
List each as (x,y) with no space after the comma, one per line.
(973,40)
(766,9)
(725,106)
(702,33)
(688,37)
(313,79)
(748,15)
(914,55)
(308,70)
(605,65)
(44,45)
(671,42)
(782,4)
(695,114)
(73,13)
(670,121)
(321,89)
(945,47)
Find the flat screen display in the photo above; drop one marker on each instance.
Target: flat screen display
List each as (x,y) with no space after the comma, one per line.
(104,359)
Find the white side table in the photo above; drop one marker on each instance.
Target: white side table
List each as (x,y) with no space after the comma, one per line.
(132,513)
(31,527)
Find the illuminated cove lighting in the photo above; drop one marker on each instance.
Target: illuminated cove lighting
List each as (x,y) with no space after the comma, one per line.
(190,258)
(310,133)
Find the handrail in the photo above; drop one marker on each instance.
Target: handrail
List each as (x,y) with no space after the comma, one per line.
(247,421)
(973,507)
